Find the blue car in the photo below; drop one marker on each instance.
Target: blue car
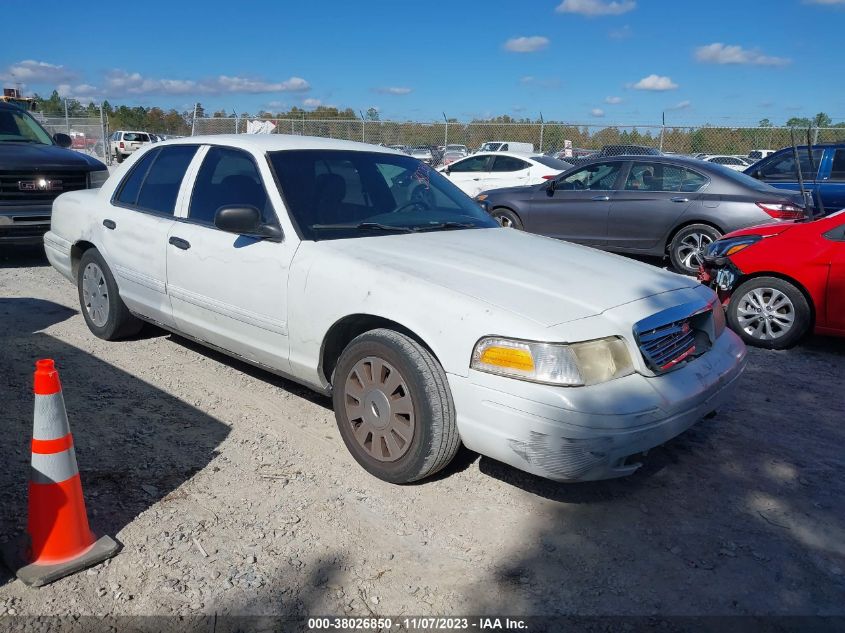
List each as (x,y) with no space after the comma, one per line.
(824,177)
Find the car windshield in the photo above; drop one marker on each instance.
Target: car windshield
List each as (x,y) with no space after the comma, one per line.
(333,194)
(16,126)
(550,161)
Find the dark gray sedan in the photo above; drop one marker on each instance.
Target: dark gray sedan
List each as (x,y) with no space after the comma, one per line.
(649,205)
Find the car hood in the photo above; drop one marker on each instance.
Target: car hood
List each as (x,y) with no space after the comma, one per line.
(38,157)
(539,278)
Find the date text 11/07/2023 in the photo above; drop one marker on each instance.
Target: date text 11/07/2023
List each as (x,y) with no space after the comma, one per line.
(418,624)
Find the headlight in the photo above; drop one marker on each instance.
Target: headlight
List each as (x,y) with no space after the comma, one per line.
(570,365)
(731,245)
(96,179)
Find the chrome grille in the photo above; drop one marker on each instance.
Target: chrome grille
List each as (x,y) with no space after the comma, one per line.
(12,191)
(665,346)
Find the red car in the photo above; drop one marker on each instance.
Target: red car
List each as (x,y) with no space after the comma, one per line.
(779,281)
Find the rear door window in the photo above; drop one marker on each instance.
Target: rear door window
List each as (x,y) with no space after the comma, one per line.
(161,185)
(508,163)
(131,185)
(662,177)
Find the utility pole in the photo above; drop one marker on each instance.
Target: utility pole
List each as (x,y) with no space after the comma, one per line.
(194,120)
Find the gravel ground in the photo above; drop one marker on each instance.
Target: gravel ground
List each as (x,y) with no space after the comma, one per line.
(231,492)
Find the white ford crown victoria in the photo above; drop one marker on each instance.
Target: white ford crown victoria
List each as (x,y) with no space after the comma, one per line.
(364,274)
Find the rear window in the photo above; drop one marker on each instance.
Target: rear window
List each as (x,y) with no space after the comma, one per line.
(551,161)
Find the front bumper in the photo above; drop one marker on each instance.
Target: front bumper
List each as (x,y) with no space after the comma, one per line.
(589,433)
(24,224)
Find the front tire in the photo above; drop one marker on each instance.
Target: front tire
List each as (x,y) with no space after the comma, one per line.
(769,312)
(393,407)
(104,311)
(687,247)
(507,219)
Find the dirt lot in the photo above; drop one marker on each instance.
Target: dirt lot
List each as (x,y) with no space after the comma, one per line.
(231,492)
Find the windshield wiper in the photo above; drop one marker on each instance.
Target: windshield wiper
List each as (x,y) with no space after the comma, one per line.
(445,225)
(364,226)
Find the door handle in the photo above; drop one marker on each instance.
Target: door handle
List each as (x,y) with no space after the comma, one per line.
(110,224)
(178,242)
(680,199)
(601,198)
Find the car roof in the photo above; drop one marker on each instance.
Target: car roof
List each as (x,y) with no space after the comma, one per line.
(261,143)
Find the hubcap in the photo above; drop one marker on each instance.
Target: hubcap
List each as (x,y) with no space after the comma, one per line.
(505,221)
(379,409)
(765,314)
(95,294)
(691,250)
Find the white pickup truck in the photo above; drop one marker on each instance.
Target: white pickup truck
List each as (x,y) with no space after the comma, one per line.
(364,274)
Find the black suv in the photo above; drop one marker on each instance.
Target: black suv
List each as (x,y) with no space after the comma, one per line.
(34,169)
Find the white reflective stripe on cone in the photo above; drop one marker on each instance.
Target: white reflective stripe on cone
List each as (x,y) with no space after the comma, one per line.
(53,468)
(50,417)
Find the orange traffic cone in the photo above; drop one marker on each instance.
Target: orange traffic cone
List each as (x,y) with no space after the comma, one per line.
(60,540)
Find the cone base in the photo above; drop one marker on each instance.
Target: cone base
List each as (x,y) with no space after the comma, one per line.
(36,575)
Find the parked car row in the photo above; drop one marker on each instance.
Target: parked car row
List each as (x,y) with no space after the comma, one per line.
(367,275)
(489,170)
(123,142)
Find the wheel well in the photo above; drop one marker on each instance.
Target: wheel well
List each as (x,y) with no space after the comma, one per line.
(341,334)
(76,252)
(681,227)
(503,208)
(787,279)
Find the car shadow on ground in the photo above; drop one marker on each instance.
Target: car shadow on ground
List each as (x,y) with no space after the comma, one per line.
(23,256)
(739,516)
(135,444)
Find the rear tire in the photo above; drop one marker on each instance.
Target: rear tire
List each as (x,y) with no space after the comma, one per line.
(99,300)
(393,407)
(769,312)
(687,247)
(507,219)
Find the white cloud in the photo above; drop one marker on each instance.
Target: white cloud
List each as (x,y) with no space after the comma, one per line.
(597,112)
(531,80)
(311,102)
(120,82)
(526,44)
(621,34)
(394,90)
(593,8)
(826,2)
(681,105)
(79,91)
(613,100)
(35,72)
(655,82)
(718,53)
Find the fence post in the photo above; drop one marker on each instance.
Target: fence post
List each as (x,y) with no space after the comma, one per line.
(815,135)
(106,149)
(363,127)
(67,120)
(446,133)
(194,120)
(662,130)
(542,125)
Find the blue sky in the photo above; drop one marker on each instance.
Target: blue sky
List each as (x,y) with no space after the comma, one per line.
(593,61)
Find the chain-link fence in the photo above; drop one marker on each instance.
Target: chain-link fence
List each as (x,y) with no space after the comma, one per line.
(87,134)
(570,140)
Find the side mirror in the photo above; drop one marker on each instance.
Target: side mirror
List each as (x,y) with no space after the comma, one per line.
(245,220)
(551,185)
(757,174)
(62,140)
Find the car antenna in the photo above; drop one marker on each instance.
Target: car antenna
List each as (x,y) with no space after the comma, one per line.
(815,176)
(798,169)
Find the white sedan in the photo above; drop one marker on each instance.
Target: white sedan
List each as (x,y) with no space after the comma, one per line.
(494,170)
(731,162)
(364,274)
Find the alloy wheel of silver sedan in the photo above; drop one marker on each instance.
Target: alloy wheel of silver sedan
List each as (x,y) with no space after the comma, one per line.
(379,409)
(95,294)
(765,314)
